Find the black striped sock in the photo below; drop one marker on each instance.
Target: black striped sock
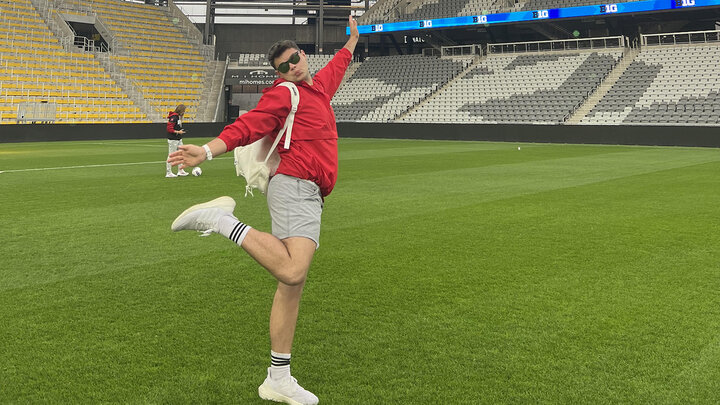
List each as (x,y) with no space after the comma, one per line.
(238,233)
(279,359)
(279,365)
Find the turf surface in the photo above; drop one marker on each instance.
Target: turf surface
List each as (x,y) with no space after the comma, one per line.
(448,273)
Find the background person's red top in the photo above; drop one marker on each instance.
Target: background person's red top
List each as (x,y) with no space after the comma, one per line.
(313,144)
(173,125)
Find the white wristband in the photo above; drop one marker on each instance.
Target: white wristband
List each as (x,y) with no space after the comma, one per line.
(208,153)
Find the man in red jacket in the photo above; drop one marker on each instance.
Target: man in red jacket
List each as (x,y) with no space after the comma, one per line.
(305,176)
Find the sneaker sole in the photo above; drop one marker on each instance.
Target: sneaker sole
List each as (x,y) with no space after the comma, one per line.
(224,202)
(271,395)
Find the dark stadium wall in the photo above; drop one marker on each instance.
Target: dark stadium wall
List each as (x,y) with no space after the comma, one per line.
(88,132)
(699,136)
(609,135)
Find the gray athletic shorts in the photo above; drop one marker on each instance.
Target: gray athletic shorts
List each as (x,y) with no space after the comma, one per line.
(295,208)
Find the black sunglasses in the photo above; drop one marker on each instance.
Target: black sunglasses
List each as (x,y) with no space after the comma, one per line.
(285,66)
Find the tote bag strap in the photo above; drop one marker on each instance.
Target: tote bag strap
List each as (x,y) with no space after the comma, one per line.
(287,129)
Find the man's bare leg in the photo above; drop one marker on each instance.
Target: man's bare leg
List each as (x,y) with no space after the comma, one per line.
(283,316)
(288,260)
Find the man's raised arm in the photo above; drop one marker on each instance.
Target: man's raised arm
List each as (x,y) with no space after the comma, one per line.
(354,35)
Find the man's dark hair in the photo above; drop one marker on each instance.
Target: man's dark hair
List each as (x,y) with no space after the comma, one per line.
(278,48)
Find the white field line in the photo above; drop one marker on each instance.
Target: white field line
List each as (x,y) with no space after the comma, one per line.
(38,169)
(151,145)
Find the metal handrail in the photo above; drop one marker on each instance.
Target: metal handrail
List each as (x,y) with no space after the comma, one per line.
(537,46)
(216,118)
(707,37)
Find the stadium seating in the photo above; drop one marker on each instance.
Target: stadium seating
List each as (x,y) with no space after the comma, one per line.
(543,88)
(546,4)
(37,71)
(451,8)
(665,85)
(317,62)
(154,63)
(252,60)
(382,11)
(382,88)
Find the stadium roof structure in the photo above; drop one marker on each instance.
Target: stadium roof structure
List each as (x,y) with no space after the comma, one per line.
(273,11)
(625,18)
(319,13)
(584,11)
(630,19)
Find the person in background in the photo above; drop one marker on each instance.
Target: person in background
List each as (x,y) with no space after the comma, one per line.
(174,135)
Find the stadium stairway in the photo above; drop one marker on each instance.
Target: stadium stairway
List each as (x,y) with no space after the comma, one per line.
(213,86)
(349,72)
(629,55)
(146,37)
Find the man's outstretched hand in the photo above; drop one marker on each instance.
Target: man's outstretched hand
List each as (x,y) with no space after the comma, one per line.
(354,35)
(187,156)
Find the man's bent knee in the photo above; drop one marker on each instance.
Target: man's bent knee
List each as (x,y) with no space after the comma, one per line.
(301,251)
(294,277)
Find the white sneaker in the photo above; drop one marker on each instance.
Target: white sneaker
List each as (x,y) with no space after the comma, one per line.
(204,217)
(182,172)
(286,390)
(170,175)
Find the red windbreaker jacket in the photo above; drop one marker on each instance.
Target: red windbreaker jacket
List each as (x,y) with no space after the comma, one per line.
(313,144)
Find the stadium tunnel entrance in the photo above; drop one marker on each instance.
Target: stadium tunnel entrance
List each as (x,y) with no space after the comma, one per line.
(90,33)
(87,34)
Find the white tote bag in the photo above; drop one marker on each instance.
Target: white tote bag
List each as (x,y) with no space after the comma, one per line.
(259,160)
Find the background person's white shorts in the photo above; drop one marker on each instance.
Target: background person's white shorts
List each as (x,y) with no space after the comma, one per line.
(295,207)
(173,145)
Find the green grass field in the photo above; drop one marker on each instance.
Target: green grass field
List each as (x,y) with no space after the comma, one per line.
(448,273)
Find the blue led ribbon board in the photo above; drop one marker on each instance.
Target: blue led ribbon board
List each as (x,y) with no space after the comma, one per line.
(535,15)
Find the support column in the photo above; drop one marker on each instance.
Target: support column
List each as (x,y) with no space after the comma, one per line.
(321,23)
(209,22)
(367,37)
